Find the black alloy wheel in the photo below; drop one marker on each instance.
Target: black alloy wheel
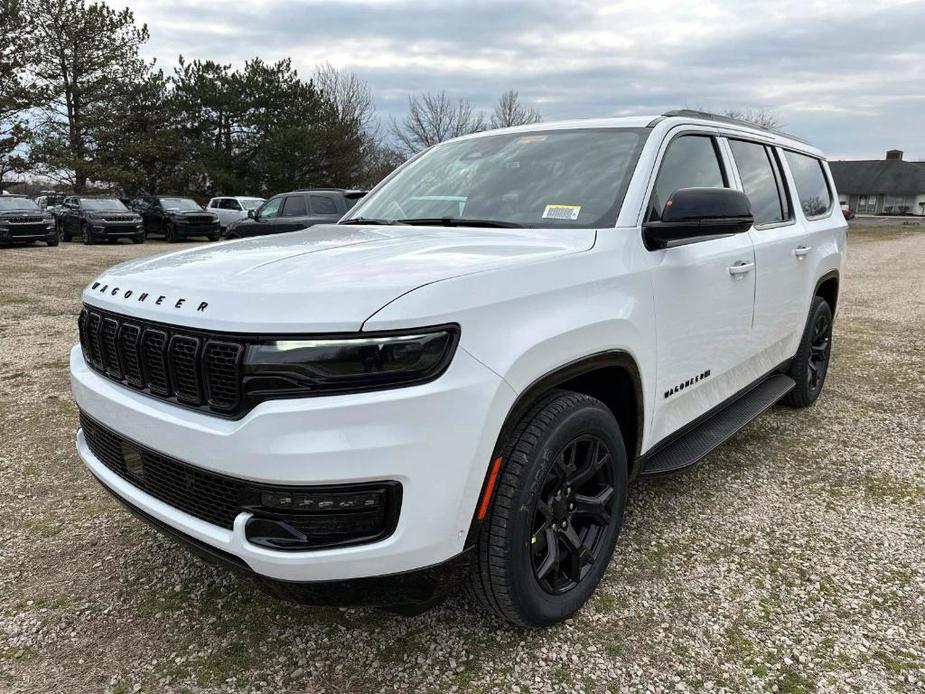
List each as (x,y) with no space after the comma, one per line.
(572,515)
(810,365)
(555,513)
(820,348)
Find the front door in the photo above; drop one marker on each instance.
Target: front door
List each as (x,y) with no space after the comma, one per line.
(704,297)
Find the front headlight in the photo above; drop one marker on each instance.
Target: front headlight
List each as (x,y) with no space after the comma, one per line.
(304,367)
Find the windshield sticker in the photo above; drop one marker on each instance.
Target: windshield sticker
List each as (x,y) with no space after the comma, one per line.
(564,212)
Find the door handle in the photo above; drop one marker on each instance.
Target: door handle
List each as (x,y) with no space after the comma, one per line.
(801,251)
(740,268)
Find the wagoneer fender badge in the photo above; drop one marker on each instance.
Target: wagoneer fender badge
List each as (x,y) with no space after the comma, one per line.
(145,297)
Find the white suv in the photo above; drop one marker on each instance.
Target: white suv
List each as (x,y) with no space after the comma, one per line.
(459,381)
(231,209)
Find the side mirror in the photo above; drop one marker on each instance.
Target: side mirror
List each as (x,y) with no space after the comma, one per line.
(252,214)
(693,214)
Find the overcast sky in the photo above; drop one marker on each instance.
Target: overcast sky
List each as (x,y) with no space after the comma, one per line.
(849,75)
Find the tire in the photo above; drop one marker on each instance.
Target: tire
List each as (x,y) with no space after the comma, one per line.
(811,363)
(170,233)
(231,236)
(63,233)
(214,237)
(516,575)
(138,239)
(53,241)
(86,237)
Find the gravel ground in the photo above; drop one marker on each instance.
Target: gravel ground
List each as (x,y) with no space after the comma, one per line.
(790,560)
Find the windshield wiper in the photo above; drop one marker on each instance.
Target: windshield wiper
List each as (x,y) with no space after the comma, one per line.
(460,222)
(367,220)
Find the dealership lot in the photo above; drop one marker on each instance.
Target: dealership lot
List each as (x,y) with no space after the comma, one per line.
(792,556)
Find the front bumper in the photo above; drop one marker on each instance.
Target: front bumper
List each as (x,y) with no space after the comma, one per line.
(186,229)
(17,235)
(435,439)
(116,230)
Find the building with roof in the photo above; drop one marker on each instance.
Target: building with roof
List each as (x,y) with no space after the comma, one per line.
(881,186)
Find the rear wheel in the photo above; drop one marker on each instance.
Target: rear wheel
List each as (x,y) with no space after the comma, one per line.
(811,363)
(556,511)
(62,231)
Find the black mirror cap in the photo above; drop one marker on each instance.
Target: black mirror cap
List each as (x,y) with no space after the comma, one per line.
(693,214)
(252,214)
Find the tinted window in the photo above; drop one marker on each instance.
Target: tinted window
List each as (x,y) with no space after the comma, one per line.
(547,179)
(295,206)
(230,204)
(108,204)
(215,203)
(759,181)
(809,178)
(271,209)
(692,161)
(323,205)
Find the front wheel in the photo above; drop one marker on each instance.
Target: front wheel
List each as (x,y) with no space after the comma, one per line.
(556,511)
(86,236)
(63,232)
(811,363)
(170,233)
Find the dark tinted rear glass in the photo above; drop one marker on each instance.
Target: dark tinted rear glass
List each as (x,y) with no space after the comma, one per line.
(812,187)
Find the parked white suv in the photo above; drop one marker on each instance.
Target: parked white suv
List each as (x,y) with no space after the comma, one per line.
(373,411)
(232,208)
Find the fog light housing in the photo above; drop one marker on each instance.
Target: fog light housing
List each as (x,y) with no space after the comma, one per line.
(323,517)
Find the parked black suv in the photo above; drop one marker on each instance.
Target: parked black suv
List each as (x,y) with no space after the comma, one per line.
(176,217)
(21,221)
(96,219)
(293,211)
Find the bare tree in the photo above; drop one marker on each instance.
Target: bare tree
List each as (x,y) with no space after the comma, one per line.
(758,116)
(510,112)
(350,95)
(433,118)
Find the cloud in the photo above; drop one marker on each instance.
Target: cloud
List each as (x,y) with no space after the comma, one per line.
(849,76)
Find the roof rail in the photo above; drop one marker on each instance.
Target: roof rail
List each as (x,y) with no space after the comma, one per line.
(706,115)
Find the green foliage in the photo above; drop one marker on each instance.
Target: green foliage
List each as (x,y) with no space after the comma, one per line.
(85,58)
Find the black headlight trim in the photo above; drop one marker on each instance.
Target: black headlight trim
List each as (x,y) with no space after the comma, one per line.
(371,383)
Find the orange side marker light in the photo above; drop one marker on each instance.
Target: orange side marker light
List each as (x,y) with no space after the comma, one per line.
(489,488)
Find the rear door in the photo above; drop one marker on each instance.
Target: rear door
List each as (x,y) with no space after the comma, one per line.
(704,294)
(780,239)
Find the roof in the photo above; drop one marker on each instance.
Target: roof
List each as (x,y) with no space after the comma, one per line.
(890,176)
(667,120)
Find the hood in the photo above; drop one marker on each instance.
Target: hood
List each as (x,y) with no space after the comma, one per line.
(189,213)
(328,278)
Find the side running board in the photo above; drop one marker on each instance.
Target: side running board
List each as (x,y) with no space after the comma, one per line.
(696,443)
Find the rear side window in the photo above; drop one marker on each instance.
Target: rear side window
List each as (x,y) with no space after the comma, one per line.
(295,206)
(230,204)
(692,161)
(757,169)
(812,187)
(323,205)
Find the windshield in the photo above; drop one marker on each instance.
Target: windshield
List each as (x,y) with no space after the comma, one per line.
(13,203)
(108,204)
(180,205)
(252,203)
(551,179)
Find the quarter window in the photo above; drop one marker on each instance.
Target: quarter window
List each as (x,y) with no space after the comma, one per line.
(759,180)
(692,161)
(811,184)
(323,205)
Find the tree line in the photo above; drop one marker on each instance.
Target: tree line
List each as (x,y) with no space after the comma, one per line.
(80,107)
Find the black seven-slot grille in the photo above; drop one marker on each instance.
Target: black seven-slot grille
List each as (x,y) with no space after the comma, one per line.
(185,366)
(328,516)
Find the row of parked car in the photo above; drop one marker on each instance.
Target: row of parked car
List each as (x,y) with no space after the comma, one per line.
(95,219)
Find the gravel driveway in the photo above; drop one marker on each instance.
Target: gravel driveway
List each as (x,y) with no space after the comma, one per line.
(791,559)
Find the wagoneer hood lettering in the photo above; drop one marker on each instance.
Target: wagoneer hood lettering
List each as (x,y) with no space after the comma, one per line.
(326,279)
